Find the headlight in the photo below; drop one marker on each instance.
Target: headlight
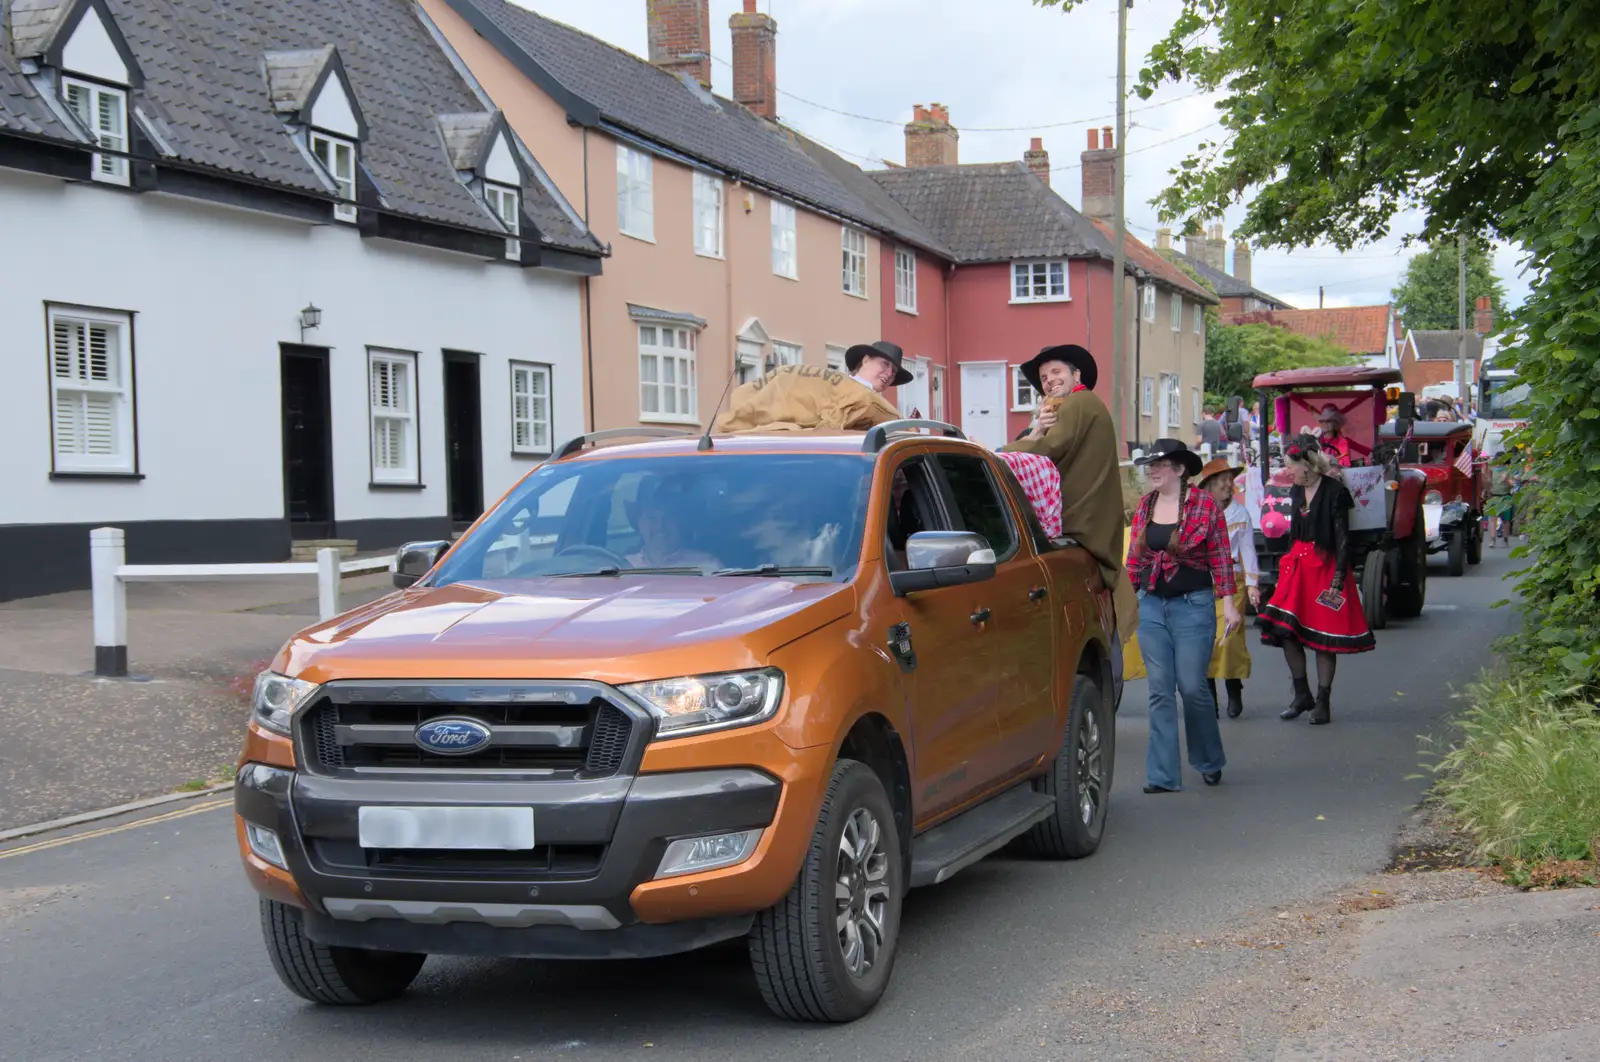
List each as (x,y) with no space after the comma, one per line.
(275,699)
(1433,497)
(697,703)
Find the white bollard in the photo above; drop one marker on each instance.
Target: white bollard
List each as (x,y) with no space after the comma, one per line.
(107,554)
(327,582)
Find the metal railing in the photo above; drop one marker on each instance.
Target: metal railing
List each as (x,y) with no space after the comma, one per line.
(110,573)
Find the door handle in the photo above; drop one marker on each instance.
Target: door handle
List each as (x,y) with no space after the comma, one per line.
(981,617)
(1038,593)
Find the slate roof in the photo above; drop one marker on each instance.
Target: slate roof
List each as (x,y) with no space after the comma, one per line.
(602,85)
(1358,329)
(1441,344)
(206,96)
(1147,258)
(1226,285)
(292,75)
(21,108)
(466,137)
(34,24)
(860,184)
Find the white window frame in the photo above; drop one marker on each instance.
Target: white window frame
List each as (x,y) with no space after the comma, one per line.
(1035,281)
(905,280)
(73,393)
(113,136)
(787,353)
(853,249)
(325,149)
(1024,399)
(785,244)
(836,358)
(1147,397)
(1199,318)
(402,413)
(636,194)
(1177,312)
(707,215)
(1174,400)
(1199,413)
(531,432)
(505,202)
(658,362)
(1148,297)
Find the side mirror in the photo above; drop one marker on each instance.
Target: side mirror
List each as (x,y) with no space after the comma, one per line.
(943,558)
(414,560)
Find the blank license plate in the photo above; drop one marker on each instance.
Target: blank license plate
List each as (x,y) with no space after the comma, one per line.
(505,829)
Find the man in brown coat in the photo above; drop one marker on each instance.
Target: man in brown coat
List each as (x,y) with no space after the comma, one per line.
(1073,428)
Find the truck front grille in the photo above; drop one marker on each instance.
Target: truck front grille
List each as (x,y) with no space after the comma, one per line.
(545,862)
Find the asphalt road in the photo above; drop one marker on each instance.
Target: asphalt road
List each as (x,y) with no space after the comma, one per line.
(142,943)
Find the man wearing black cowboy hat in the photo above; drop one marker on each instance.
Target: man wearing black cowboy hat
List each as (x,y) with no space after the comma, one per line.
(877,365)
(1074,430)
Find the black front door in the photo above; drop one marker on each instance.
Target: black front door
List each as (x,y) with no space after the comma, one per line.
(463,438)
(307,443)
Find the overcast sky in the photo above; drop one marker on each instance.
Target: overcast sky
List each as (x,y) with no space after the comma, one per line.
(1007,70)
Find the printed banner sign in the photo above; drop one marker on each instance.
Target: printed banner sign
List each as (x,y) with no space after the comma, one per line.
(1366,487)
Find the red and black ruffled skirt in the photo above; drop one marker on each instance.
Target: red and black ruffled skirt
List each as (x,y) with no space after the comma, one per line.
(1295,613)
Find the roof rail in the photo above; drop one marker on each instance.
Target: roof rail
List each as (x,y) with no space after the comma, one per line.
(878,437)
(573,445)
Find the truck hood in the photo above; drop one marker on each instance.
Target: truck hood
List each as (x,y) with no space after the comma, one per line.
(609,629)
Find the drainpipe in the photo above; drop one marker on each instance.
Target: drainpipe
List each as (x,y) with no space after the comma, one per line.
(949,377)
(1138,370)
(588,293)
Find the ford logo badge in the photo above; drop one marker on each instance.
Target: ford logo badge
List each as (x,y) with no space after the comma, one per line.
(453,737)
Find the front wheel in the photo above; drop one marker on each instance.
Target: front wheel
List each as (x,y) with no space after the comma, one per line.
(825,951)
(326,974)
(1375,589)
(1456,551)
(1475,543)
(1079,779)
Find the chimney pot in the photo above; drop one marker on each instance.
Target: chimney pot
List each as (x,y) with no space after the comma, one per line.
(1099,171)
(1037,159)
(680,37)
(1094,140)
(1163,239)
(1105,137)
(930,138)
(755,60)
(1036,144)
(1483,315)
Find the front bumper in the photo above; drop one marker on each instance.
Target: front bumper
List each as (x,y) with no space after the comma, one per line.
(598,841)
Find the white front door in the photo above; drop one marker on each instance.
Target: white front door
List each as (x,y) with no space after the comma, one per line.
(749,363)
(983,403)
(1169,382)
(913,396)
(937,400)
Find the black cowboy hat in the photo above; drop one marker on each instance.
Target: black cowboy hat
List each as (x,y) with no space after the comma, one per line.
(882,349)
(1172,450)
(1070,353)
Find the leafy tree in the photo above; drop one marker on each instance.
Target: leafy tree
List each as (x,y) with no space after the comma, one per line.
(1429,292)
(1482,116)
(1237,354)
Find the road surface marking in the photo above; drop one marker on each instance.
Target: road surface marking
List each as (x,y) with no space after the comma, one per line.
(59,841)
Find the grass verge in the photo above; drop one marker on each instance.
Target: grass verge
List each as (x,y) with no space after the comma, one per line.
(1522,776)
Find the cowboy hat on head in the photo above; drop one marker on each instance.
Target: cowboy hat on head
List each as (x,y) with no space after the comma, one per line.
(1069,353)
(1172,450)
(1216,467)
(881,349)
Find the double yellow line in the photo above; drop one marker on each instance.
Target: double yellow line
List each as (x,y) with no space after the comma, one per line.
(57,842)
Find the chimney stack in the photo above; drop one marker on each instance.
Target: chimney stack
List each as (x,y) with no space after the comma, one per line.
(1216,248)
(1241,262)
(680,37)
(930,138)
(1038,160)
(755,60)
(1194,245)
(1100,176)
(1483,316)
(1163,239)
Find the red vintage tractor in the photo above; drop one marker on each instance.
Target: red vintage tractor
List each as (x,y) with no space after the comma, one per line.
(1454,500)
(1387,528)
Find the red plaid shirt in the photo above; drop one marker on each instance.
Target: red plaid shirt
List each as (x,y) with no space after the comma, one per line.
(1041,482)
(1202,543)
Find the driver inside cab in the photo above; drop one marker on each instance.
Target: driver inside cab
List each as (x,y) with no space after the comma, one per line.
(660,515)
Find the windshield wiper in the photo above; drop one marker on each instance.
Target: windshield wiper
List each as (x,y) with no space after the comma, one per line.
(776,570)
(612,569)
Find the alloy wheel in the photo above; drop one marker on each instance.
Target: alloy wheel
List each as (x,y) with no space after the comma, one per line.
(861,892)
(1090,766)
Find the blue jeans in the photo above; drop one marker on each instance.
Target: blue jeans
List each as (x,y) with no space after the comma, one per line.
(1176,635)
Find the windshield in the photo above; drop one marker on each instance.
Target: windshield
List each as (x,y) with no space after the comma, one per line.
(695,514)
(1503,394)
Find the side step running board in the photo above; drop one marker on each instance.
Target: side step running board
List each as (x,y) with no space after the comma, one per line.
(955,845)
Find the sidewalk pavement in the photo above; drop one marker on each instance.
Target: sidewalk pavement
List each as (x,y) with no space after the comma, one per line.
(76,743)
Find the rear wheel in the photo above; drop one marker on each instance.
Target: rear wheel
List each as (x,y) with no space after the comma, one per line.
(1079,779)
(1410,588)
(825,951)
(1456,552)
(1375,589)
(326,974)
(1475,542)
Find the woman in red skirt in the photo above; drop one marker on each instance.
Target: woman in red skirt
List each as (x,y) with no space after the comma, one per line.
(1315,605)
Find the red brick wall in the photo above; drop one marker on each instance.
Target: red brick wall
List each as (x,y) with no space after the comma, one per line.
(681,28)
(755,60)
(923,334)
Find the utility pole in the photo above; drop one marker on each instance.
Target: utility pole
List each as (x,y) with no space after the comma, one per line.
(1463,369)
(1118,259)
(1319,296)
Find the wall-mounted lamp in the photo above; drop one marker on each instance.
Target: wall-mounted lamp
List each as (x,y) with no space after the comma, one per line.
(310,317)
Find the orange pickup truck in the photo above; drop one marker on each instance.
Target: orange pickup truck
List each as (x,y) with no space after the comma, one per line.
(679,691)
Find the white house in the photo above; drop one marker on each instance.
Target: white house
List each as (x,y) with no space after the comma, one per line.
(273,270)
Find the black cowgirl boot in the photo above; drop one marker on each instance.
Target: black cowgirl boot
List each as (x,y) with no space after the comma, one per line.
(1235,698)
(1323,713)
(1302,702)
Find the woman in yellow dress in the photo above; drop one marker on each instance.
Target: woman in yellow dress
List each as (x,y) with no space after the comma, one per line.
(1230,659)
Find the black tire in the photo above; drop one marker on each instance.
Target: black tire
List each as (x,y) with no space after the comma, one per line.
(796,948)
(1475,542)
(1374,589)
(1456,552)
(1088,751)
(326,974)
(1409,592)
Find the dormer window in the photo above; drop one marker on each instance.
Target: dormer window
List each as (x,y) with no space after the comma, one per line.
(338,158)
(104,114)
(484,156)
(506,203)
